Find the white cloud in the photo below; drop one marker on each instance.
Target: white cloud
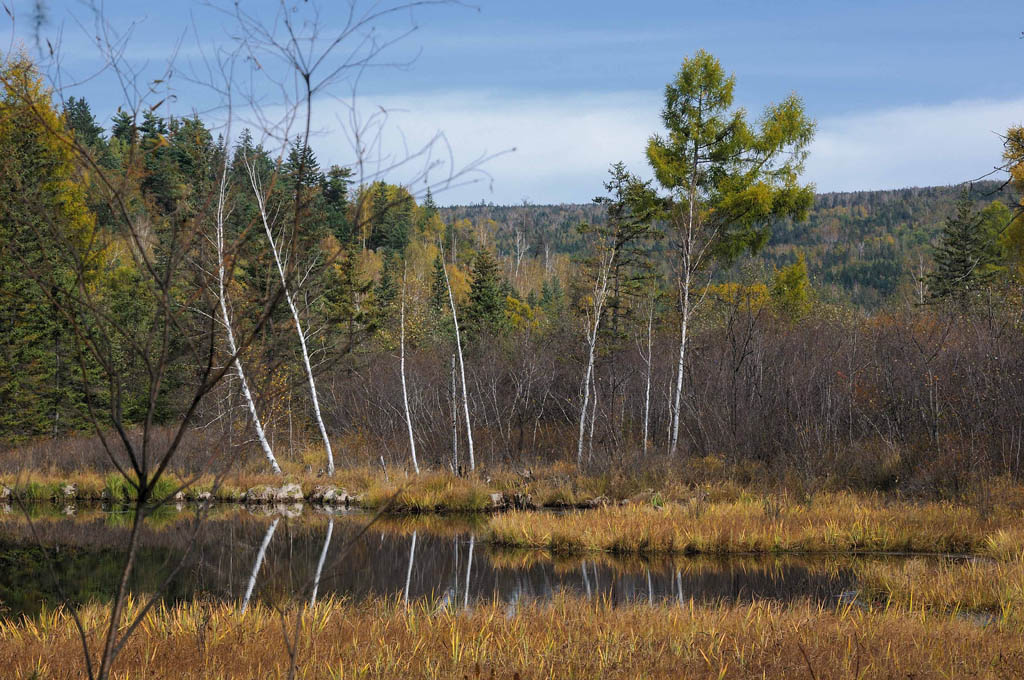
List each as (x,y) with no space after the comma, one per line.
(911,146)
(562,144)
(565,142)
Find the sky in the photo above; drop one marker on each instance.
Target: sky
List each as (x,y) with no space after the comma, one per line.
(537,99)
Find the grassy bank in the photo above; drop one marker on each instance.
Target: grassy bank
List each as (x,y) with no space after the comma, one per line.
(828,522)
(567,638)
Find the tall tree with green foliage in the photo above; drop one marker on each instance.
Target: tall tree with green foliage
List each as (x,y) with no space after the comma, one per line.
(487,293)
(44,226)
(967,255)
(726,179)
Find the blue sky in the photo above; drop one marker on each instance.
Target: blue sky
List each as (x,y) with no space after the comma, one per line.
(905,93)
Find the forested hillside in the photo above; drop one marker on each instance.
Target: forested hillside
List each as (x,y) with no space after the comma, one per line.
(862,247)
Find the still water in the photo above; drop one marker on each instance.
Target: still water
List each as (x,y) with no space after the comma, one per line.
(238,555)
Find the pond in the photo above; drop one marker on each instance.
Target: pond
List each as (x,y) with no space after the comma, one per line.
(242,555)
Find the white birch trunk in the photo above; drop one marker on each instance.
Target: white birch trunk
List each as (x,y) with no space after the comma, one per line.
(222,295)
(455,417)
(408,573)
(405,392)
(321,561)
(680,364)
(462,371)
(600,291)
(257,190)
(647,388)
(259,562)
(469,568)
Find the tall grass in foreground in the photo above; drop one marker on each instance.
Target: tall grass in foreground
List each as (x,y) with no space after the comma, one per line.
(567,638)
(839,522)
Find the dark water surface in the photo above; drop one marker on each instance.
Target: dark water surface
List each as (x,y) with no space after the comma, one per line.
(239,555)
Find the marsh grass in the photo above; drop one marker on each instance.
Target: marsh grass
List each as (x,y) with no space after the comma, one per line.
(971,585)
(566,638)
(827,523)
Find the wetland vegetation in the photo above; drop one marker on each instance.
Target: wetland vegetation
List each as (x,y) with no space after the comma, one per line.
(263,418)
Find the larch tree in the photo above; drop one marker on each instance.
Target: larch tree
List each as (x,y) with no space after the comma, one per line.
(726,179)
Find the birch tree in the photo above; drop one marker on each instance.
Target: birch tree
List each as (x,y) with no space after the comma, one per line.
(405,391)
(225,314)
(725,179)
(630,209)
(462,368)
(289,297)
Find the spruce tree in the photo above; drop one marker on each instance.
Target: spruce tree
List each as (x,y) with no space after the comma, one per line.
(966,256)
(486,310)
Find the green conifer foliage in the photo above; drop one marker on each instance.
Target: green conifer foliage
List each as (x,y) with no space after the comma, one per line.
(487,293)
(966,256)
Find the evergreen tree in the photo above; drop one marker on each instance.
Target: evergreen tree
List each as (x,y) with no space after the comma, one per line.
(438,288)
(80,119)
(386,290)
(335,194)
(966,256)
(487,293)
(123,127)
(46,236)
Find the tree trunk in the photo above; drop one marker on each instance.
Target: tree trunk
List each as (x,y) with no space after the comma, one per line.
(600,291)
(408,572)
(295,317)
(647,387)
(455,416)
(320,563)
(684,295)
(222,295)
(405,392)
(462,371)
(259,562)
(469,568)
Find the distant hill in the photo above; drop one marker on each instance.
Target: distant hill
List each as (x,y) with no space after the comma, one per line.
(861,246)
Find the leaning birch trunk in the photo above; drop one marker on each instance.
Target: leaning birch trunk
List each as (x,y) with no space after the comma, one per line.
(405,392)
(462,370)
(257,190)
(259,562)
(320,562)
(222,295)
(600,290)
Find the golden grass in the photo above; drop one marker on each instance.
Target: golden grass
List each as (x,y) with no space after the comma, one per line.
(566,638)
(829,523)
(980,584)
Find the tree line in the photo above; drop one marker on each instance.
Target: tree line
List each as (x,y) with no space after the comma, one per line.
(691,315)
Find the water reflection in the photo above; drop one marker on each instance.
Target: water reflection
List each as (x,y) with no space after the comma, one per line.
(241,556)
